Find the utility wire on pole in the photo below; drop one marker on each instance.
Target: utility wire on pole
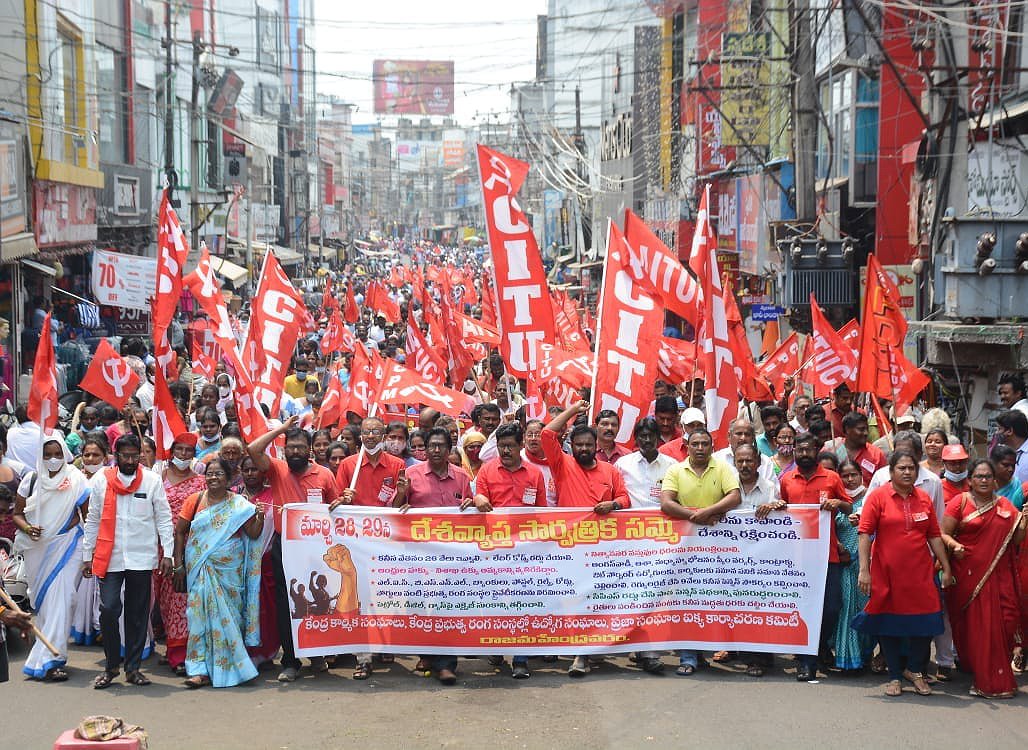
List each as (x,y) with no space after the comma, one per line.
(804,111)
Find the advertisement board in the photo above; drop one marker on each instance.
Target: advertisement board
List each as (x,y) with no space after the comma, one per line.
(413,87)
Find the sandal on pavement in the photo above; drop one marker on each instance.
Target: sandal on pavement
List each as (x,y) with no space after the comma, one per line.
(362,672)
(893,689)
(137,678)
(199,681)
(104,680)
(684,670)
(878,665)
(423,667)
(918,681)
(755,670)
(1017,665)
(55,674)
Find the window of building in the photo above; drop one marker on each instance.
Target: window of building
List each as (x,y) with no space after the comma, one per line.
(71,105)
(112,89)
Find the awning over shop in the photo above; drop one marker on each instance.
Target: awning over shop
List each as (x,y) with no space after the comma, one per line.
(285,256)
(39,267)
(229,270)
(17,246)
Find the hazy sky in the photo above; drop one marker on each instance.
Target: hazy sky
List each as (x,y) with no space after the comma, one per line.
(491,43)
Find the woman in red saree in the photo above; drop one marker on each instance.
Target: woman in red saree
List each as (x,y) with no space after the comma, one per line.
(982,531)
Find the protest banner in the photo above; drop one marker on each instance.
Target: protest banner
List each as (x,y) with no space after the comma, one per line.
(554,581)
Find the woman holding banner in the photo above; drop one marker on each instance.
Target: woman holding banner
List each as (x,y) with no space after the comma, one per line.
(897,572)
(218,562)
(982,531)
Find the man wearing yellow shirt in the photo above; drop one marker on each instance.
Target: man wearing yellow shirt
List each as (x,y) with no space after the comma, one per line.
(700,489)
(294,384)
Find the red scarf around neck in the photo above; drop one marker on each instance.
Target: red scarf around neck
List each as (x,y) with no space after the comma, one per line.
(109,517)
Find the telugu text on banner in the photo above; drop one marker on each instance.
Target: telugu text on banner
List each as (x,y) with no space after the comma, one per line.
(557,581)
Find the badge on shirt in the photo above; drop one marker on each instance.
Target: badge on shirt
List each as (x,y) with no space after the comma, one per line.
(655,492)
(386,493)
(528,498)
(868,465)
(919,517)
(1002,512)
(315,495)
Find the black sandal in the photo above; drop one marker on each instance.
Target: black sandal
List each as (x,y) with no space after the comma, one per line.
(199,681)
(180,670)
(137,678)
(55,674)
(104,680)
(362,672)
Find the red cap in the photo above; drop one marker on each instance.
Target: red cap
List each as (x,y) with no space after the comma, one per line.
(187,438)
(954,453)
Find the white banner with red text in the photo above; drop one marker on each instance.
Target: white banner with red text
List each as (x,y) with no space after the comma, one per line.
(552,581)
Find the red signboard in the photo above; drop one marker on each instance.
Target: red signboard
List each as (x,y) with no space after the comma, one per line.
(413,87)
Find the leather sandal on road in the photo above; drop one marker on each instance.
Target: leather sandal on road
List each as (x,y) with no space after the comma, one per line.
(104,680)
(918,681)
(137,678)
(893,689)
(200,681)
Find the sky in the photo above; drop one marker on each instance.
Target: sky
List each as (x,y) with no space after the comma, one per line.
(491,43)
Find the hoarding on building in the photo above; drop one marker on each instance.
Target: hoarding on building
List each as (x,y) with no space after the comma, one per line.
(413,87)
(745,79)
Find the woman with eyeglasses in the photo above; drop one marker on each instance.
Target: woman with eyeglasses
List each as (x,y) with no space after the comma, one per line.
(982,531)
(218,564)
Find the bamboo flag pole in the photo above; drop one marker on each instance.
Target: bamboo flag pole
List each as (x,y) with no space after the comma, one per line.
(11,605)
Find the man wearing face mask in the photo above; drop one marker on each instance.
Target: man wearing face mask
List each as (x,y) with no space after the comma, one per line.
(954,478)
(128,516)
(293,385)
(380,479)
(296,480)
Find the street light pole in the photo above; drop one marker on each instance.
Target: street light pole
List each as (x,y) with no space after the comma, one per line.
(194,146)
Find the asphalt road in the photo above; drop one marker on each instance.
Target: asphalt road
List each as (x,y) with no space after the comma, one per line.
(616,706)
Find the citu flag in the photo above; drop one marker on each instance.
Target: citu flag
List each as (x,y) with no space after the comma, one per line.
(167,422)
(332,340)
(628,341)
(653,264)
(402,386)
(834,363)
(676,361)
(421,356)
(351,313)
(172,250)
(43,406)
(109,376)
(721,397)
(783,363)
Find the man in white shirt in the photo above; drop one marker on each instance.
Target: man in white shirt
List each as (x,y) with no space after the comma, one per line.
(644,470)
(120,548)
(144,393)
(742,431)
(1011,391)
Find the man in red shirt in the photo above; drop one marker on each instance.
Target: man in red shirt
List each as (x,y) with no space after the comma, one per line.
(582,480)
(855,446)
(692,419)
(607,426)
(811,484)
(437,483)
(508,482)
(533,454)
(665,411)
(296,480)
(954,477)
(380,479)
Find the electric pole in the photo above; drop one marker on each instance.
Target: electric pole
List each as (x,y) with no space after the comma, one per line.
(169,105)
(804,112)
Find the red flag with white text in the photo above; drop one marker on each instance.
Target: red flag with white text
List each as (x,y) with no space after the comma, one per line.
(524,312)
(833,360)
(783,363)
(422,357)
(109,376)
(172,250)
(654,265)
(403,386)
(631,319)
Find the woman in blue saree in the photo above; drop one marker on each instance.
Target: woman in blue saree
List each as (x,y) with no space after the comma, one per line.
(218,563)
(1005,459)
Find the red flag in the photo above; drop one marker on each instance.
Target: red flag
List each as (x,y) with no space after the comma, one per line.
(422,357)
(332,341)
(535,404)
(275,322)
(475,332)
(884,426)
(460,357)
(172,249)
(402,386)
(351,313)
(556,364)
(676,361)
(395,278)
(488,302)
(881,333)
(331,403)
(367,369)
(849,334)
(167,421)
(206,354)
(328,298)
(751,383)
(722,386)
(525,315)
(377,298)
(631,318)
(43,405)
(569,337)
(109,377)
(657,267)
(783,362)
(833,361)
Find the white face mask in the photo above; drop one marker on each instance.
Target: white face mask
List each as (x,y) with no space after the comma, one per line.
(53,464)
(856,491)
(373,451)
(225,391)
(182,463)
(91,468)
(955,476)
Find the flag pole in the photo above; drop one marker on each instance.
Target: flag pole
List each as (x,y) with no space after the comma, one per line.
(372,412)
(593,403)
